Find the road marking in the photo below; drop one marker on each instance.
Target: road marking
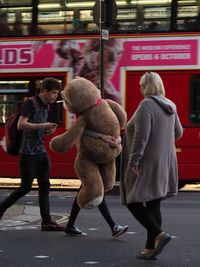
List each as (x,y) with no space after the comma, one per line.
(91,262)
(41,257)
(64,219)
(93,229)
(131,233)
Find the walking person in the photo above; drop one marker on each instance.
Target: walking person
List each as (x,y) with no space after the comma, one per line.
(72,230)
(149,164)
(33,159)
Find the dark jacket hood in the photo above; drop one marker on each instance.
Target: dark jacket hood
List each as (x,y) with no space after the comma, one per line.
(167,105)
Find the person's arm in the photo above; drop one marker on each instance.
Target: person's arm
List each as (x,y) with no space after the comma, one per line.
(24,120)
(112,141)
(24,124)
(178,127)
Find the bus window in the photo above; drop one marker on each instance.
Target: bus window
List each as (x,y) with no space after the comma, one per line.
(188,16)
(4,25)
(53,17)
(12,94)
(156,18)
(15,18)
(195,99)
(56,17)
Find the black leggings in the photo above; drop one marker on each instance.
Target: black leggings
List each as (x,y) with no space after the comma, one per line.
(148,215)
(103,208)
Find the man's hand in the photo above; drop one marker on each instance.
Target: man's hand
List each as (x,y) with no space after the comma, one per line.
(50,127)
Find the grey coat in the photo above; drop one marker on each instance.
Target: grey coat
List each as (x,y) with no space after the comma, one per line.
(149,142)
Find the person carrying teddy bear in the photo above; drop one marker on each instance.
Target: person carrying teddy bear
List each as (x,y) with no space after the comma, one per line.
(96,134)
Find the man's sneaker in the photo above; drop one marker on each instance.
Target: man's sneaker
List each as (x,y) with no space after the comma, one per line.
(74,231)
(51,226)
(118,230)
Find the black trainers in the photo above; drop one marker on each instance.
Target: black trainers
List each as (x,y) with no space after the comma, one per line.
(51,226)
(118,230)
(74,231)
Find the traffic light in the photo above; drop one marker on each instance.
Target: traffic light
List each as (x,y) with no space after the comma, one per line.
(106,12)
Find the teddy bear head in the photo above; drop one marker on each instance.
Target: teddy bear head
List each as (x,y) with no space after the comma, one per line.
(79,95)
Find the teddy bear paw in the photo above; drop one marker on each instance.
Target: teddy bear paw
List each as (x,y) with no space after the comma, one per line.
(93,203)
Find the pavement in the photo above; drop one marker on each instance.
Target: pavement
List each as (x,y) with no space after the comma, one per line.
(65,184)
(21,213)
(73,184)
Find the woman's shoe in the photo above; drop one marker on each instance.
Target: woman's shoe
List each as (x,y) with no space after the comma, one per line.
(161,242)
(146,255)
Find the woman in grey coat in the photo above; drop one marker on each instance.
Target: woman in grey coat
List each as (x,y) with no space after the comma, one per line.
(149,171)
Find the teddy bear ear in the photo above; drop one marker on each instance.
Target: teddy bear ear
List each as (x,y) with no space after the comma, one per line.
(77,77)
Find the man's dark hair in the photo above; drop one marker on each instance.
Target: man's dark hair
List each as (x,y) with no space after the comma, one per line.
(50,84)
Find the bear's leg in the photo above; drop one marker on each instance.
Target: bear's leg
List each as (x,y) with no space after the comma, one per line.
(92,190)
(108,174)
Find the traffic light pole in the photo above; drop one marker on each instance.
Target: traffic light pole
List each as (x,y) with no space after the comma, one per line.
(101,23)
(104,14)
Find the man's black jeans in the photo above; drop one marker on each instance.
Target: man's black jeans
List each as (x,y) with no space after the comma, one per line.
(32,166)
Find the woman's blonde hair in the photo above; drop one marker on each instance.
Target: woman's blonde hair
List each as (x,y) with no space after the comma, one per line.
(152,84)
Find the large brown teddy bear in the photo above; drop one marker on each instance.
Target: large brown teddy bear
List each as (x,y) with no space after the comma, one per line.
(96,134)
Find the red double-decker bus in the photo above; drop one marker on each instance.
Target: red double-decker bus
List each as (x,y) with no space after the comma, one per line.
(60,39)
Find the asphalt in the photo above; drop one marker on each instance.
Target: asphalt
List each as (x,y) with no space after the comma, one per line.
(57,185)
(23,244)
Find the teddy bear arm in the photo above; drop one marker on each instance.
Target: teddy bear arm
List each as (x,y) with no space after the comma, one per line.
(58,143)
(119,112)
(66,140)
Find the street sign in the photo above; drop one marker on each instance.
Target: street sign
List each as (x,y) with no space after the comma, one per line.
(105,34)
(105,12)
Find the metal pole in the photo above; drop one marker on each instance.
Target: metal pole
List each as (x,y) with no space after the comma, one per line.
(101,23)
